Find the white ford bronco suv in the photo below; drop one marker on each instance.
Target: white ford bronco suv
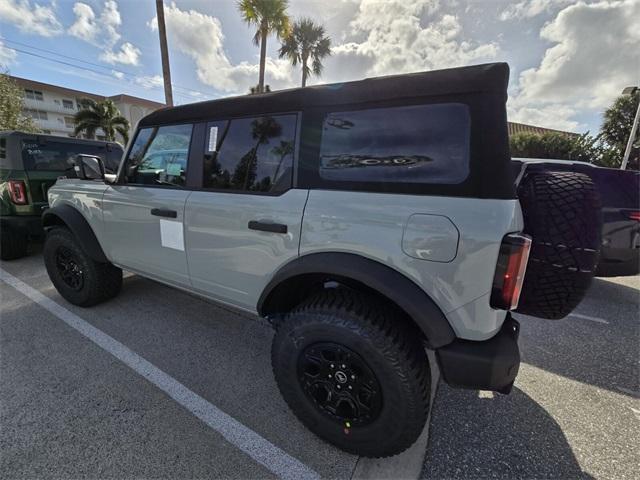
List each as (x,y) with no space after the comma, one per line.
(366,220)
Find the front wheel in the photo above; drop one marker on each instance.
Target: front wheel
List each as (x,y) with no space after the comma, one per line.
(354,372)
(77,277)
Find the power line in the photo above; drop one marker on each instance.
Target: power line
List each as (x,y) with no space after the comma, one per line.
(188,92)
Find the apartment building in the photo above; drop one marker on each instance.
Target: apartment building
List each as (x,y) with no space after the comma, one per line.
(53,107)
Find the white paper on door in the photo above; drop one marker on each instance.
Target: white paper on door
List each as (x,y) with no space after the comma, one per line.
(171,235)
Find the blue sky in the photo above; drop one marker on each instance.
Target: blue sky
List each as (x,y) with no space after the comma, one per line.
(568,59)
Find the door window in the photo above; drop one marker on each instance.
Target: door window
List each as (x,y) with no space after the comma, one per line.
(251,154)
(159,156)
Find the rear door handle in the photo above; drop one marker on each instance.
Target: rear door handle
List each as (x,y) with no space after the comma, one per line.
(163,212)
(267,227)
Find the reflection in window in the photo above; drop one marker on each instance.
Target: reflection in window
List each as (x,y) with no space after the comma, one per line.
(60,156)
(252,154)
(159,156)
(409,144)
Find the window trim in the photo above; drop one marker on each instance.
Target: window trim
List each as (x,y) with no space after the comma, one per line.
(121,177)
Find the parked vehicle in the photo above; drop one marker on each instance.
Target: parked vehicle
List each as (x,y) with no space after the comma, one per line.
(366,220)
(620,195)
(29,165)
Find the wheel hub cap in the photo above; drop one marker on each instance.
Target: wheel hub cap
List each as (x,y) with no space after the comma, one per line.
(339,383)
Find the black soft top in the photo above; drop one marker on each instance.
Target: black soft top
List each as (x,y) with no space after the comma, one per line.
(491,78)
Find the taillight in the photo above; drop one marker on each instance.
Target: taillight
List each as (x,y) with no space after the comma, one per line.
(18,192)
(634,216)
(510,270)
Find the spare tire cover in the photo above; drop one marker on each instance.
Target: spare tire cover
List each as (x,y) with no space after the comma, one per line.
(562,214)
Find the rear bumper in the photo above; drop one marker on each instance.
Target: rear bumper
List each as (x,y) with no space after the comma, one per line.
(28,224)
(489,365)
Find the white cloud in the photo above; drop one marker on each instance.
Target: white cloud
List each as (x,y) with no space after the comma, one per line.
(103,31)
(594,56)
(7,56)
(402,36)
(117,74)
(128,54)
(150,82)
(200,37)
(30,17)
(531,8)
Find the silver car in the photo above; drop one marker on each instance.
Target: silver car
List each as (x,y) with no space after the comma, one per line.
(366,220)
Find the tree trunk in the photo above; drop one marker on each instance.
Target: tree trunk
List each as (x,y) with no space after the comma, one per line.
(304,71)
(263,58)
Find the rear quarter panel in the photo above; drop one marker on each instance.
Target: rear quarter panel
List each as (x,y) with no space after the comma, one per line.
(372,225)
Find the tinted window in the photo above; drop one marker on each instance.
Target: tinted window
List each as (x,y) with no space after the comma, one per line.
(60,156)
(409,144)
(252,154)
(159,156)
(3,148)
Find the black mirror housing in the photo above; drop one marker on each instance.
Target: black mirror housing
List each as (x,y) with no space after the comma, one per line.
(89,167)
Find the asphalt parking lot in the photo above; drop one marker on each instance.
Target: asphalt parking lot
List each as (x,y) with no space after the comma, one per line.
(160,384)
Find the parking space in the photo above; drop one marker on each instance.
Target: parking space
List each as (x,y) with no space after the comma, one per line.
(70,408)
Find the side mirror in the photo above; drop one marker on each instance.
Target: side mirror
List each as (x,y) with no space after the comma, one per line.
(89,167)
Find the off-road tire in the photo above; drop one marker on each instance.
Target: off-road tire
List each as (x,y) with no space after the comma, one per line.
(390,346)
(100,281)
(562,214)
(13,245)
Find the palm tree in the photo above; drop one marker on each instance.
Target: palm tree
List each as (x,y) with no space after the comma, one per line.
(269,16)
(102,115)
(283,151)
(307,41)
(256,89)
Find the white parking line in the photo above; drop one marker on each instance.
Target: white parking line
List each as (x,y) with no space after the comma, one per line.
(258,448)
(587,317)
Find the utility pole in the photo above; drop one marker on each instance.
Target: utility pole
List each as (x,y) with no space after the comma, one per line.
(164,52)
(634,129)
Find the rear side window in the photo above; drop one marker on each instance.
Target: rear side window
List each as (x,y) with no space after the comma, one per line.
(159,156)
(250,154)
(60,156)
(407,144)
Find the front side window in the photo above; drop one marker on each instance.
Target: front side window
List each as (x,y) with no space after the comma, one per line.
(407,144)
(60,156)
(159,156)
(251,154)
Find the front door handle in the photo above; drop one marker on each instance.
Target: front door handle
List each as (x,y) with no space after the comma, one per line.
(267,226)
(164,212)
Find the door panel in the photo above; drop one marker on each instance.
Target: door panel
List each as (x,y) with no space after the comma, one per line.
(227,259)
(133,235)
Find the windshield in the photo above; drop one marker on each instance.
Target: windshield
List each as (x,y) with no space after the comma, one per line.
(60,156)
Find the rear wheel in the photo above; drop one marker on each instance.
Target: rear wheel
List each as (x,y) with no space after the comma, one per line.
(13,244)
(77,277)
(562,215)
(353,372)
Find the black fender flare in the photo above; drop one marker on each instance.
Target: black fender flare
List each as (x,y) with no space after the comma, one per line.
(390,283)
(75,221)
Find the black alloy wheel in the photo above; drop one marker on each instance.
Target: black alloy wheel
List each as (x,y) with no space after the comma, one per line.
(340,383)
(69,268)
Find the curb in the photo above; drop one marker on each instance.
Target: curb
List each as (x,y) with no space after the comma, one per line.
(408,464)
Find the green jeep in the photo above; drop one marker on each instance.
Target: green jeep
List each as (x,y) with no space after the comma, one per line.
(29,165)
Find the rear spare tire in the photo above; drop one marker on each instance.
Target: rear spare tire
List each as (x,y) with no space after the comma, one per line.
(562,214)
